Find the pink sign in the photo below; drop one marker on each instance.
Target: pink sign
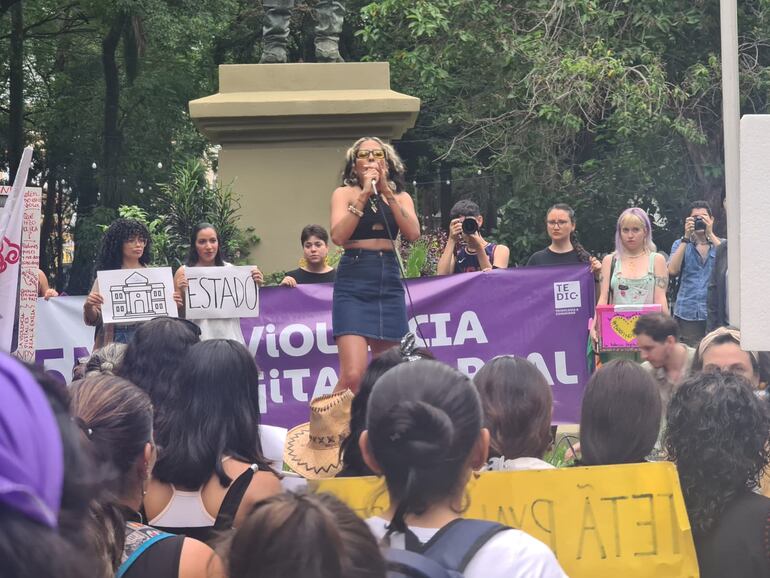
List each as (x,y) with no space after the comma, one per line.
(617,324)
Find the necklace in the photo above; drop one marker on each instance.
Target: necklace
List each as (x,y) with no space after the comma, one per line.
(373,204)
(637,255)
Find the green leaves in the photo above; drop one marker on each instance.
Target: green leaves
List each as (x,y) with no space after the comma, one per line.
(599,104)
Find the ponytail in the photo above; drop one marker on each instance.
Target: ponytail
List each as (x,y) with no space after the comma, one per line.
(424,419)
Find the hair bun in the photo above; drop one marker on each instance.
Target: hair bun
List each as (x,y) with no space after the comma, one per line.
(417,432)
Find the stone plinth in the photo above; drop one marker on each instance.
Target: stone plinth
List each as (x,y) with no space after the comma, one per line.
(284,130)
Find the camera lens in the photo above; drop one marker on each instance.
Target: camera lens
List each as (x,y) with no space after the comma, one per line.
(700,224)
(470,226)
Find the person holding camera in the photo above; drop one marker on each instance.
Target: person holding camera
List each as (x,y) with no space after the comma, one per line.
(466,250)
(692,258)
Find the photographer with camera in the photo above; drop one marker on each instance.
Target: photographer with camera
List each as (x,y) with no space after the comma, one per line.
(692,258)
(466,250)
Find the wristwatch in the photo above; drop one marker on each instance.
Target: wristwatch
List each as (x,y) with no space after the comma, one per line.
(685,239)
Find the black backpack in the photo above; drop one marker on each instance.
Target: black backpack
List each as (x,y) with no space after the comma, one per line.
(446,555)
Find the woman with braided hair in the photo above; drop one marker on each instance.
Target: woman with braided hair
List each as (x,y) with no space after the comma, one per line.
(565,247)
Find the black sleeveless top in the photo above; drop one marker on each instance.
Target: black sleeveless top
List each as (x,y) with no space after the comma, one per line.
(739,544)
(149,556)
(372,225)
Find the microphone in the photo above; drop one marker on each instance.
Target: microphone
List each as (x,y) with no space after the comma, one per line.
(374,187)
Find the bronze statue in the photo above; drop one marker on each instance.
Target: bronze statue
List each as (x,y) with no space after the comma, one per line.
(329,15)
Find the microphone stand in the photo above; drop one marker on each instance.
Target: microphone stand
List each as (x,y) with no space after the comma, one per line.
(381,203)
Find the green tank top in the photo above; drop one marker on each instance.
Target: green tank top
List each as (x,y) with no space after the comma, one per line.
(628,291)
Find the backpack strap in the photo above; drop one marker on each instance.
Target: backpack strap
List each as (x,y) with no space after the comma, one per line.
(612,272)
(233,498)
(407,564)
(455,545)
(139,540)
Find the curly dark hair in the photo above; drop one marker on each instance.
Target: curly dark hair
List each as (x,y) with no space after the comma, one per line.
(121,230)
(717,434)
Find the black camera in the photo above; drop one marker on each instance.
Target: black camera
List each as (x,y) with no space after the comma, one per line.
(700,224)
(470,226)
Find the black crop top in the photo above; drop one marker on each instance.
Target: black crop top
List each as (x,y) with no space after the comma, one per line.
(372,226)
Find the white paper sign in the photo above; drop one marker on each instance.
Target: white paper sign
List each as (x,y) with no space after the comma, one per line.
(30,256)
(133,295)
(220,293)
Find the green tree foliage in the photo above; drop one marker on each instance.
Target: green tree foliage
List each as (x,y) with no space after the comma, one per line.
(188,199)
(162,58)
(598,104)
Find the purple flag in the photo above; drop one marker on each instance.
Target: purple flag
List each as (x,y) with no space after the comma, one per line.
(540,313)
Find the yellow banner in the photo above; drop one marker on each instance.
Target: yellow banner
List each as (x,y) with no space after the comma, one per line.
(603,521)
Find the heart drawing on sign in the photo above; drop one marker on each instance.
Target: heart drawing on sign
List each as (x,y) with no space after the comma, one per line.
(624,327)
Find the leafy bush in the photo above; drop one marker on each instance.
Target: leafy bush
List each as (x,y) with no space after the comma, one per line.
(189,199)
(421,257)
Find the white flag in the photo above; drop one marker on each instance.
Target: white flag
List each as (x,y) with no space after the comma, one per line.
(10,251)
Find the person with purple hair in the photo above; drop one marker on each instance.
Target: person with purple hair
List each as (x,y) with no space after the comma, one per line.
(634,274)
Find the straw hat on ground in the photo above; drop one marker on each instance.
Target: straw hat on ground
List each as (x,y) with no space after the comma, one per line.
(312,449)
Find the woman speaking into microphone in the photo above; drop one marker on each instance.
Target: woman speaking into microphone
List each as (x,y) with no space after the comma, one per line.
(368,211)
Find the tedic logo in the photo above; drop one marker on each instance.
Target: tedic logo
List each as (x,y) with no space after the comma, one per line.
(567,295)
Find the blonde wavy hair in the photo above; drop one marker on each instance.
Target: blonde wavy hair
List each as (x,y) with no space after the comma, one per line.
(396,168)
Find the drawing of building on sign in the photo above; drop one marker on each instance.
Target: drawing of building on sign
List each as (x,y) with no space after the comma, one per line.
(137,297)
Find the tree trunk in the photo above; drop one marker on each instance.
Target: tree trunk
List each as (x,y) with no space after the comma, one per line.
(16,89)
(112,143)
(6,5)
(46,229)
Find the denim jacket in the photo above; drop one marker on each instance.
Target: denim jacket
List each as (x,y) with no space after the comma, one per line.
(693,283)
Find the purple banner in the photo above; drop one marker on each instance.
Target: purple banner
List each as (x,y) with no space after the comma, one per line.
(540,313)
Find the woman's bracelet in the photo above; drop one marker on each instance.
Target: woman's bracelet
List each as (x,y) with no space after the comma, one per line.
(356,212)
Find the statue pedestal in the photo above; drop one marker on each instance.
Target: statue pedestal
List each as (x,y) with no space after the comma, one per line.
(284,130)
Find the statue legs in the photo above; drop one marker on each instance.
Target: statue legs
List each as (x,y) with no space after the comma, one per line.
(329,17)
(275,33)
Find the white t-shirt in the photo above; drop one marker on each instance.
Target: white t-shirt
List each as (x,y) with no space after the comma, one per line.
(509,554)
(221,328)
(517,464)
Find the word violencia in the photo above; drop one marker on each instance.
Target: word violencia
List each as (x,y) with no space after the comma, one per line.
(298,340)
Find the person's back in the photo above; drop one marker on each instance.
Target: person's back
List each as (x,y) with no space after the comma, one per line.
(517,403)
(620,415)
(424,436)
(718,434)
(738,545)
(212,469)
(116,420)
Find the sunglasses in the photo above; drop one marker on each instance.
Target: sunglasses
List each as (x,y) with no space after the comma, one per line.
(364,154)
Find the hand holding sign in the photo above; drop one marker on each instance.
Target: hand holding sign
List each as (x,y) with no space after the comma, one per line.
(133,295)
(221,292)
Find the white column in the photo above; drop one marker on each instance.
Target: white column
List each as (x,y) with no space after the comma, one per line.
(731,114)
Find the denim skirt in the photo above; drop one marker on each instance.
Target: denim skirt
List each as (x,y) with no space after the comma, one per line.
(368,296)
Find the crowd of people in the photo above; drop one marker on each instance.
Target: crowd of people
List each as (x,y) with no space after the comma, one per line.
(151,463)
(154,462)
